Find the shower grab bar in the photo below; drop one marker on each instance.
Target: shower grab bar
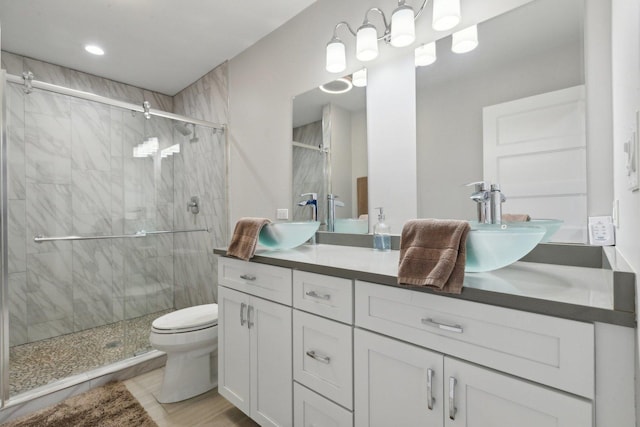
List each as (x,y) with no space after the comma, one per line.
(137,234)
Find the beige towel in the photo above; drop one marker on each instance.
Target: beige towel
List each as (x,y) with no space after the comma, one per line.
(516,217)
(433,253)
(245,237)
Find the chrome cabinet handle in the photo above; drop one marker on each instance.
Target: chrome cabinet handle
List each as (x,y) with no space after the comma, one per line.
(452,398)
(249,277)
(242,319)
(314,294)
(318,357)
(443,326)
(430,399)
(250,322)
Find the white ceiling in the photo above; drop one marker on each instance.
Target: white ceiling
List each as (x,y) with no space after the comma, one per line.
(160,45)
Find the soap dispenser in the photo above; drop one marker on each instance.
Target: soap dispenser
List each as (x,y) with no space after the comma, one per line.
(381,234)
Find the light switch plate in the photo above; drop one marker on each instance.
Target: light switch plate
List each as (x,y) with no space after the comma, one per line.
(282,213)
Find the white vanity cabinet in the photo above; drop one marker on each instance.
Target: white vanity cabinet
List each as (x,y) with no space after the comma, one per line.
(400,384)
(254,340)
(424,382)
(322,350)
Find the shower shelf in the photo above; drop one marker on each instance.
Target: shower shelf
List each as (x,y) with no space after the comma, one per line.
(137,234)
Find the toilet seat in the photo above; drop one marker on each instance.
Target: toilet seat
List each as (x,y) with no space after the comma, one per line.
(187,320)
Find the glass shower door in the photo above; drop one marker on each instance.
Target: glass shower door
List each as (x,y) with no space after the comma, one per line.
(72,171)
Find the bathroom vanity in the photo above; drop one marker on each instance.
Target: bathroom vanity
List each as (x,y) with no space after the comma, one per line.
(322,335)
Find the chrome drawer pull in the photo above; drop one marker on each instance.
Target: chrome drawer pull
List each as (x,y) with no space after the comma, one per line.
(319,358)
(443,326)
(452,398)
(242,319)
(314,294)
(430,399)
(250,277)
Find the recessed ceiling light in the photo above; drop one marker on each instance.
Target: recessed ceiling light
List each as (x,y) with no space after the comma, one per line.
(93,49)
(337,86)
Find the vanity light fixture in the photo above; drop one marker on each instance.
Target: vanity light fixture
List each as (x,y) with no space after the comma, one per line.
(425,54)
(359,78)
(341,85)
(465,40)
(94,49)
(399,32)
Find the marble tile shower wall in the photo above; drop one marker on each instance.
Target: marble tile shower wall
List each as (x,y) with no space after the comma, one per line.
(71,172)
(200,170)
(308,170)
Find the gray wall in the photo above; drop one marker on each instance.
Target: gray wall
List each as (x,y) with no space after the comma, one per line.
(201,170)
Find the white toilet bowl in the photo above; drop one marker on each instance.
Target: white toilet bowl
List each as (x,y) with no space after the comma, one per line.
(190,339)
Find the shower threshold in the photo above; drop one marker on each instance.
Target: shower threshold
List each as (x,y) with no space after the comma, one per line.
(44,362)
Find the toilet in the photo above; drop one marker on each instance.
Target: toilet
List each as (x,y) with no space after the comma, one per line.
(190,338)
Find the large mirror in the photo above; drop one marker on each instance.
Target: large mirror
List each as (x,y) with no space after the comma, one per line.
(537,48)
(330,150)
(526,60)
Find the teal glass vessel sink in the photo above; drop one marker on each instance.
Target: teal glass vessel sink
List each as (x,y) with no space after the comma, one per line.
(351,225)
(287,235)
(493,246)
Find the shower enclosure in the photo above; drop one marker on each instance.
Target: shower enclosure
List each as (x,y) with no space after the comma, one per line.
(104,221)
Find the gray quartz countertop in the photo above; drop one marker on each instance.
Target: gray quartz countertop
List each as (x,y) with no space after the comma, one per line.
(577,293)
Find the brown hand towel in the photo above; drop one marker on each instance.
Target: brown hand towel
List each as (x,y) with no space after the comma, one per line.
(516,217)
(245,237)
(433,253)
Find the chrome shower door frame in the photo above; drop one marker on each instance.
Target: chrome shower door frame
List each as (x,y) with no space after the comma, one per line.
(4,271)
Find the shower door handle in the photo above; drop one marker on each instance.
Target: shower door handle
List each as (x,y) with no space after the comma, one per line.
(242,319)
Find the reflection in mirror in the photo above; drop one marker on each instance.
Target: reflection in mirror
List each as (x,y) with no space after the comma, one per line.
(329,151)
(517,67)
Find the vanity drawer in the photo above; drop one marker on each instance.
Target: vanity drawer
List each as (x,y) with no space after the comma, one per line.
(323,356)
(556,352)
(266,281)
(310,409)
(326,296)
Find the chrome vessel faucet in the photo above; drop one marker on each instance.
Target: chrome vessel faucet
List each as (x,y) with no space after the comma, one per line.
(489,201)
(312,202)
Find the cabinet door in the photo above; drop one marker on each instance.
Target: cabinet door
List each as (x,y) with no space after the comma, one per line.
(481,397)
(271,380)
(396,384)
(233,348)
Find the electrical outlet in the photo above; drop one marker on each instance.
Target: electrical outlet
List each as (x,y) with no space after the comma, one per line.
(282,213)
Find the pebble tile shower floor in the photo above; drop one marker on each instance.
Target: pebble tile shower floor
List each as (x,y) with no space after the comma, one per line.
(42,362)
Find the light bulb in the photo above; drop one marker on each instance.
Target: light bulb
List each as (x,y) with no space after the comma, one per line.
(403,28)
(366,43)
(336,57)
(465,40)
(446,14)
(359,78)
(426,54)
